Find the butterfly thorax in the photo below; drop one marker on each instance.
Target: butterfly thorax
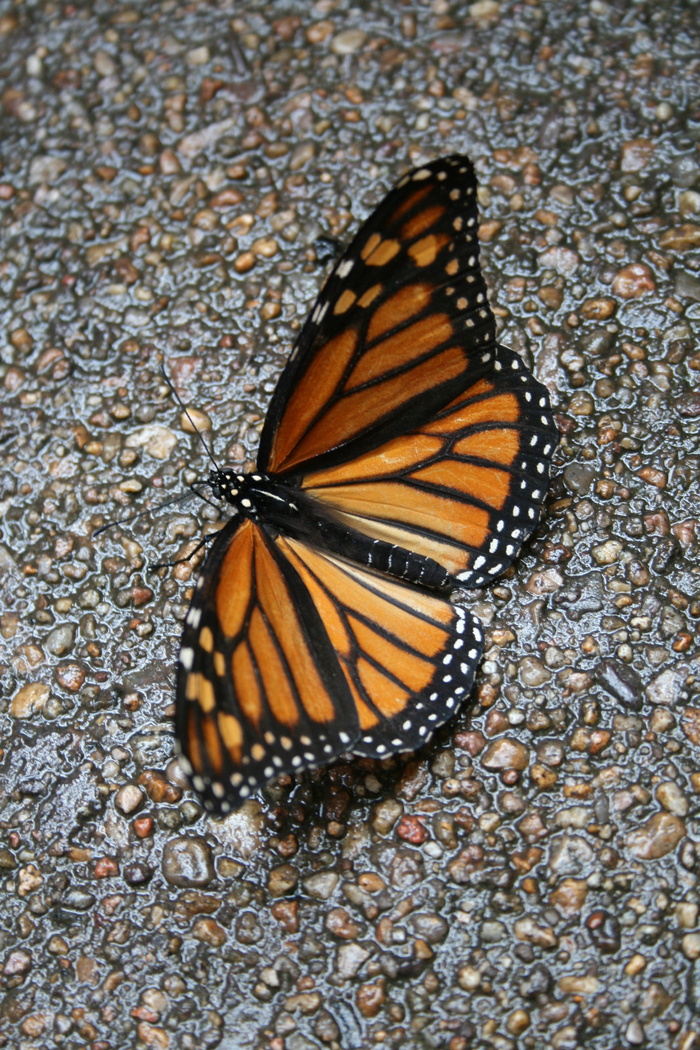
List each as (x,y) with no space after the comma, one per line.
(253,495)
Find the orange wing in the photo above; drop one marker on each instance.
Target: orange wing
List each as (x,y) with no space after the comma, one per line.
(259,688)
(291,656)
(464,489)
(401,327)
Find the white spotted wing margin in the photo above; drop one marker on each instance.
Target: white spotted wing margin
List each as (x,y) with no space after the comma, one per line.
(391,663)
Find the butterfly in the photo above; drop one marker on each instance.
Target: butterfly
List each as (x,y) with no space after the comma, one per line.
(405,453)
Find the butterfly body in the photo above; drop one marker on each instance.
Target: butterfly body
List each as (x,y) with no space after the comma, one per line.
(405,453)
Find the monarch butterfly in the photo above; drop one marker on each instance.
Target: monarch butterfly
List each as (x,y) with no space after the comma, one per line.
(405,452)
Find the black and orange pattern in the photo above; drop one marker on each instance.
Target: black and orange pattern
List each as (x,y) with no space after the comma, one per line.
(404,452)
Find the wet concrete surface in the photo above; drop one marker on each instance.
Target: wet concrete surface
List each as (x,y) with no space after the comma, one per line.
(530,880)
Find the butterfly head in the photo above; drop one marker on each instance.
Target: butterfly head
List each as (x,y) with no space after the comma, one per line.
(227,484)
(250,494)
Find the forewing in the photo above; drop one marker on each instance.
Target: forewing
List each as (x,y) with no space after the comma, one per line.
(408,656)
(260,691)
(400,328)
(464,489)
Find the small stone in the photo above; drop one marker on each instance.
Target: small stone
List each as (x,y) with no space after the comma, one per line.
(578,477)
(198,56)
(581,404)
(546,582)
(194,421)
(78,900)
(105,66)
(636,154)
(188,862)
(569,896)
(683,238)
(657,837)
(505,754)
(564,260)
(634,1033)
(351,957)
(70,677)
(468,978)
(413,830)
(672,798)
(621,681)
(385,814)
(665,688)
(301,155)
(209,932)
(287,914)
(321,886)
(605,931)
(282,880)
(542,936)
(29,700)
(532,672)
(690,724)
(518,1022)
(686,913)
(158,441)
(431,928)
(492,931)
(485,9)
(468,861)
(128,798)
(579,984)
(348,42)
(607,553)
(60,640)
(17,963)
(137,873)
(690,945)
(633,281)
(340,924)
(598,309)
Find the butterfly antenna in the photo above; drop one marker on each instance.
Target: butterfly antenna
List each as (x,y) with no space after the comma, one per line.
(182,405)
(140,513)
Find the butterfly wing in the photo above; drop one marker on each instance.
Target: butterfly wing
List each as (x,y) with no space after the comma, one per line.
(259,690)
(401,327)
(466,488)
(291,656)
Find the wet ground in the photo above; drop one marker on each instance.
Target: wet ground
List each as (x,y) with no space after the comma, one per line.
(531,880)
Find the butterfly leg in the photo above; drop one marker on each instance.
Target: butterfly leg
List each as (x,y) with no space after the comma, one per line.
(182,561)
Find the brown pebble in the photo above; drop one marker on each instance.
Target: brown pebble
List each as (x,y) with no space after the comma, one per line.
(633,281)
(105,868)
(70,676)
(598,309)
(282,880)
(209,932)
(569,896)
(505,754)
(653,477)
(690,724)
(340,924)
(143,826)
(683,238)
(370,999)
(657,837)
(412,829)
(636,154)
(287,914)
(29,700)
(158,788)
(187,862)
